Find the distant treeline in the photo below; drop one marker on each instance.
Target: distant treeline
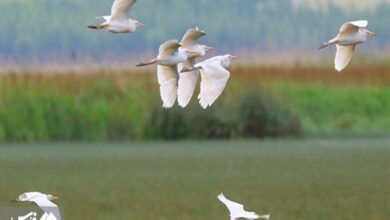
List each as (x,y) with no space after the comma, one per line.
(46,29)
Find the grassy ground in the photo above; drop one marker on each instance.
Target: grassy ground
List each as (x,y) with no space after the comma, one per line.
(292,179)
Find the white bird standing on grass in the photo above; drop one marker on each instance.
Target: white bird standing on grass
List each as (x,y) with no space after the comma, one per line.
(188,80)
(170,55)
(215,76)
(119,21)
(44,201)
(237,210)
(351,34)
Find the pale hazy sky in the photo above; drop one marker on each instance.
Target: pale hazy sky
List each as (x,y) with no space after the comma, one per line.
(354,5)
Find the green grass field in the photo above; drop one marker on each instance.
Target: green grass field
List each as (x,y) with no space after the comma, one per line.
(338,179)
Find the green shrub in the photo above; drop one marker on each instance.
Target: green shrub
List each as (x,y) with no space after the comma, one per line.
(260,116)
(166,124)
(207,125)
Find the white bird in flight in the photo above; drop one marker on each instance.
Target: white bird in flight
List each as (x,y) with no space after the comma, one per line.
(214,75)
(44,201)
(187,80)
(119,21)
(237,210)
(351,34)
(170,55)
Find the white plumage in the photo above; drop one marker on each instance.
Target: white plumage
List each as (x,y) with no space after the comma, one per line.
(188,80)
(343,56)
(351,34)
(170,54)
(167,79)
(237,210)
(215,76)
(43,201)
(119,21)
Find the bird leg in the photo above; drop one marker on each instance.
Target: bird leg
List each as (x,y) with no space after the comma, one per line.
(333,41)
(147,63)
(323,45)
(97,26)
(185,69)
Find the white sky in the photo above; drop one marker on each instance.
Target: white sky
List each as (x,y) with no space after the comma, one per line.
(354,5)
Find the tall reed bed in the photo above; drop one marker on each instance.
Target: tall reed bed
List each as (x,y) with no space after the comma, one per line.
(104,105)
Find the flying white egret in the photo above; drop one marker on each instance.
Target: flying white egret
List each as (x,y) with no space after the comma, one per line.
(188,80)
(351,34)
(214,75)
(237,210)
(44,201)
(170,54)
(119,21)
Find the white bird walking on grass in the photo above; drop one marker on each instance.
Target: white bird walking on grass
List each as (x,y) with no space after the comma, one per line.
(44,201)
(170,55)
(351,34)
(188,80)
(237,210)
(215,76)
(119,21)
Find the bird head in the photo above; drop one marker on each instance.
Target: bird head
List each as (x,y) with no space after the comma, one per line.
(207,48)
(189,53)
(52,197)
(226,60)
(231,57)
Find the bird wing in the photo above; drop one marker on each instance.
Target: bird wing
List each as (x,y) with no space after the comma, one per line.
(187,82)
(47,206)
(352,27)
(28,195)
(167,79)
(229,203)
(168,48)
(343,56)
(191,37)
(121,8)
(214,80)
(234,207)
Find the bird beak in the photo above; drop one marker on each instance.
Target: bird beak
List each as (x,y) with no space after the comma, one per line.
(209,48)
(234,57)
(56,197)
(371,33)
(139,24)
(15,200)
